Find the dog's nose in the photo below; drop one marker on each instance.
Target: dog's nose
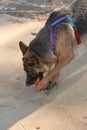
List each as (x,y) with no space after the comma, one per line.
(27,83)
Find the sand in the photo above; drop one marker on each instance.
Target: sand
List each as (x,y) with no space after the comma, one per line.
(22,108)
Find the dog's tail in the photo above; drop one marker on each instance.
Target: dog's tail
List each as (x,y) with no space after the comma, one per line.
(79,15)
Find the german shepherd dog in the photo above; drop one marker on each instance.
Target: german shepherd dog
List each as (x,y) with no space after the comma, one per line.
(39,58)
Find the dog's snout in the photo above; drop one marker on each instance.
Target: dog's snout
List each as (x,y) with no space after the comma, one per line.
(27,83)
(30,73)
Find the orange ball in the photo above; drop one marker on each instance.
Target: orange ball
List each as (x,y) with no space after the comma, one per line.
(37,81)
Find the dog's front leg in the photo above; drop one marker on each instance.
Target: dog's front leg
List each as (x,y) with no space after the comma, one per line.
(51,76)
(54,73)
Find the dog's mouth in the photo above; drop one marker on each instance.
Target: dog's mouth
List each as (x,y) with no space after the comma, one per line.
(33,79)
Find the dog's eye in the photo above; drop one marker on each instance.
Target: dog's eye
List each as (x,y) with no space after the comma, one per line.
(22,59)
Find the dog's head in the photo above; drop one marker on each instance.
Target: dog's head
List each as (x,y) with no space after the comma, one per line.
(31,63)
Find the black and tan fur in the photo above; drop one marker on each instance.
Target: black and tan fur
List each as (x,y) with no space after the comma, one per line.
(38,56)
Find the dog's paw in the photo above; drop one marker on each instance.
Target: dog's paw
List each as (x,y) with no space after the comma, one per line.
(51,85)
(44,85)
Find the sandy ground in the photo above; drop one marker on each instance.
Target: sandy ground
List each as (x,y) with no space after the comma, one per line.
(21,108)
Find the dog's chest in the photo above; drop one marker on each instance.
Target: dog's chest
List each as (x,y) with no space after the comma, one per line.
(48,68)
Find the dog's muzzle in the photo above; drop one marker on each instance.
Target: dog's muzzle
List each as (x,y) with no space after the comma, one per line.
(31,79)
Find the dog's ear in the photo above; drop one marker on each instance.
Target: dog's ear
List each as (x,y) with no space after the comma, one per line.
(23,47)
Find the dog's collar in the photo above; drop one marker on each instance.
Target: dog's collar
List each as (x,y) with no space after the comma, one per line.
(69,19)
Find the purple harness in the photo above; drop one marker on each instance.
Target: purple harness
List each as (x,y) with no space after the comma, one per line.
(55,23)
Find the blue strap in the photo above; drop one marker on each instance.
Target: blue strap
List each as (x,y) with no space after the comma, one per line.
(69,19)
(58,21)
(52,40)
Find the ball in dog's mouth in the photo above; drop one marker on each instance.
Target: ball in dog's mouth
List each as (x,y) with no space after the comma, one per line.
(35,79)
